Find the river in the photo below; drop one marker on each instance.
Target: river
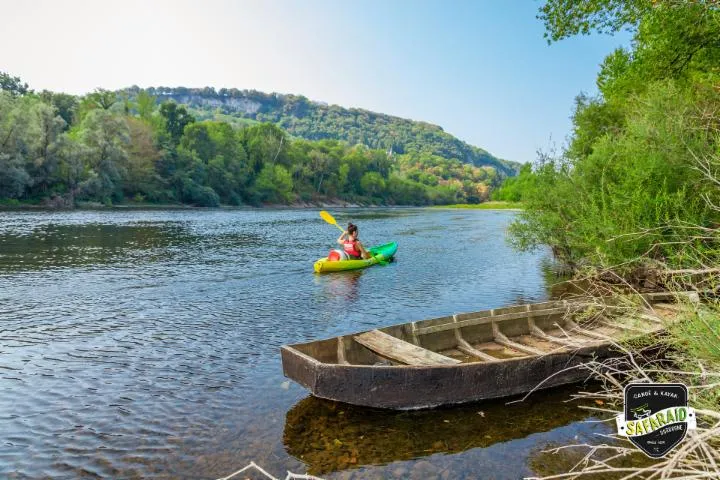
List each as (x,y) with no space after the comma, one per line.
(145,344)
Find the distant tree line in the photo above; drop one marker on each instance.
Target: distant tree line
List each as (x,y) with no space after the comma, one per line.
(317,121)
(111,147)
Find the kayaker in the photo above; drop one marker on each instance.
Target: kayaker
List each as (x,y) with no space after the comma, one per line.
(352,246)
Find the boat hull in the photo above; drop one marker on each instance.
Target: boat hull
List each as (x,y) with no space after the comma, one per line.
(409,387)
(469,357)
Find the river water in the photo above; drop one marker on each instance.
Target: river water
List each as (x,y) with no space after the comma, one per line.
(145,344)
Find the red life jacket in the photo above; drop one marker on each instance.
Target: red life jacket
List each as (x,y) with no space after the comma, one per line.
(351,249)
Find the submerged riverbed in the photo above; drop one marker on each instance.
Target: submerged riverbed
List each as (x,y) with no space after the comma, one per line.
(145,344)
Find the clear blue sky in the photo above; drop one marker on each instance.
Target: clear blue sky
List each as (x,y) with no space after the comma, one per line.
(480,69)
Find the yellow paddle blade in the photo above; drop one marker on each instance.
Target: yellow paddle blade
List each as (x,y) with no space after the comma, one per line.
(327,217)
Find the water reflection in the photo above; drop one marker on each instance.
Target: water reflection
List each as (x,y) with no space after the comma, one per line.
(52,246)
(549,460)
(341,285)
(330,436)
(140,344)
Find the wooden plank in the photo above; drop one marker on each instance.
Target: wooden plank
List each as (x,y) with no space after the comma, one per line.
(574,327)
(671,306)
(489,319)
(400,350)
(623,327)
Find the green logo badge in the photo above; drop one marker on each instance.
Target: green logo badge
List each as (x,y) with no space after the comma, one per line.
(656,416)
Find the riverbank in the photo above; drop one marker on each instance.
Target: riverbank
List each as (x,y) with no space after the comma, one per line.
(19,206)
(492,205)
(688,353)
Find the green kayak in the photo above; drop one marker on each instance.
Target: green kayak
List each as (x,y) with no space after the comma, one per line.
(380,253)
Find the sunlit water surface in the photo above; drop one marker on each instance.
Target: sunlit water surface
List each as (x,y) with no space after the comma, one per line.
(141,344)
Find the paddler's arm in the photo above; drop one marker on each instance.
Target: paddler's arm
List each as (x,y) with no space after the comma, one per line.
(364,252)
(341,237)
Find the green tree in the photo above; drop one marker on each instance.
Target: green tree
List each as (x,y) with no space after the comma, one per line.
(176,119)
(630,185)
(372,184)
(13,85)
(145,104)
(274,184)
(106,137)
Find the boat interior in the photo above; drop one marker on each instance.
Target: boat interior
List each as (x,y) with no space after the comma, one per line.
(491,335)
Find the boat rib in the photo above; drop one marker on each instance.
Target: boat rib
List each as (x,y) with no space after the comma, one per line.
(466,348)
(501,339)
(537,332)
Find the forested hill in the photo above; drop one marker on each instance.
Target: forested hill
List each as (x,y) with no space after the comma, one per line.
(316,121)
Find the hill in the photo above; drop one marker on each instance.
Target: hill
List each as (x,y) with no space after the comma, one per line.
(317,121)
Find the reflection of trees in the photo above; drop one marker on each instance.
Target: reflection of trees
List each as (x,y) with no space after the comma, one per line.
(330,436)
(92,243)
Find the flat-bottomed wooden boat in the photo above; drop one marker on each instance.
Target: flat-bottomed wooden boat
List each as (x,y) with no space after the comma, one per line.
(472,356)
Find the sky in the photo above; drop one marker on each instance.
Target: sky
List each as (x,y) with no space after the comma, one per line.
(480,69)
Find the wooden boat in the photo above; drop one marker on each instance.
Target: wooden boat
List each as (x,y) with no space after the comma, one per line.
(472,356)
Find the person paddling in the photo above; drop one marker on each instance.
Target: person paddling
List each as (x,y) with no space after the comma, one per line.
(351,244)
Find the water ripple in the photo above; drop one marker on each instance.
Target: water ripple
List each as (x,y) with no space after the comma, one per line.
(145,344)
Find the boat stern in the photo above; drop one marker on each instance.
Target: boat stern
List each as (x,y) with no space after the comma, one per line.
(299,367)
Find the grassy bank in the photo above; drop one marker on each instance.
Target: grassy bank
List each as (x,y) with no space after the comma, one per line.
(688,353)
(493,205)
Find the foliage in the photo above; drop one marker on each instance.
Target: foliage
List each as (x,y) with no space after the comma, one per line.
(310,120)
(13,85)
(631,185)
(566,18)
(514,188)
(109,147)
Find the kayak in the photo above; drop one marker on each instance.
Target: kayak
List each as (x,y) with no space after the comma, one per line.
(380,253)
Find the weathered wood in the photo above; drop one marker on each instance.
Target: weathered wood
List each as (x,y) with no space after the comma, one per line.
(670,306)
(488,319)
(421,378)
(400,350)
(537,332)
(623,327)
(501,339)
(341,352)
(468,349)
(465,347)
(574,327)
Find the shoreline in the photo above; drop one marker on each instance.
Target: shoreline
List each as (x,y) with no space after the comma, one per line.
(490,205)
(90,206)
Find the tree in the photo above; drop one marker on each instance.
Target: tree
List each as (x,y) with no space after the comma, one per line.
(106,137)
(140,175)
(372,184)
(566,18)
(264,143)
(145,104)
(629,188)
(13,85)
(65,105)
(176,119)
(274,184)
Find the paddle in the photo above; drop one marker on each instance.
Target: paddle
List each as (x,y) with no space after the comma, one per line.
(331,220)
